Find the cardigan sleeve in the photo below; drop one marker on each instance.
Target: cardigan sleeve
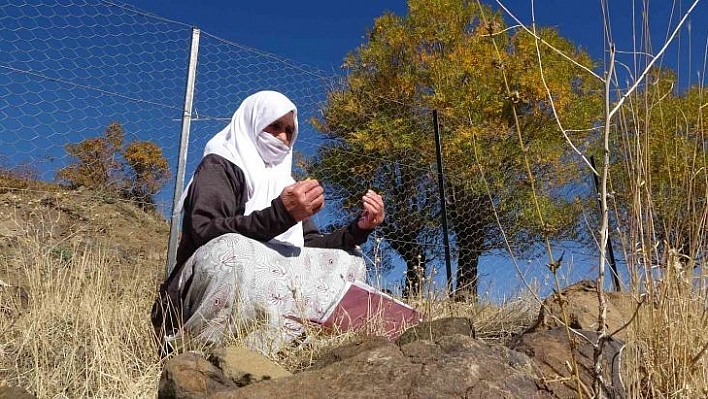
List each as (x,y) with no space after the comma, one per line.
(346,237)
(215,206)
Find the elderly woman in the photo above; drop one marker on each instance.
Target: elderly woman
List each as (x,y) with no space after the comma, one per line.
(251,262)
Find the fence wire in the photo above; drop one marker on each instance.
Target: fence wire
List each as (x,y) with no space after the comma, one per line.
(73,69)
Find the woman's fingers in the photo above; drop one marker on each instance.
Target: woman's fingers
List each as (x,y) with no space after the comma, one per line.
(373,213)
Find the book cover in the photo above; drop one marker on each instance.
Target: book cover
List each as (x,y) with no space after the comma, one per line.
(363,307)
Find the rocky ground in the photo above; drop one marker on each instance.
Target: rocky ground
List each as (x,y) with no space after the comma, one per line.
(437,359)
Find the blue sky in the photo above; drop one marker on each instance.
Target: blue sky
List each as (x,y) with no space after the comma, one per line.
(320,33)
(52,65)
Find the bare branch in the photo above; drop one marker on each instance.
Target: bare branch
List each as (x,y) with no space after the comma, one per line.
(521,24)
(653,60)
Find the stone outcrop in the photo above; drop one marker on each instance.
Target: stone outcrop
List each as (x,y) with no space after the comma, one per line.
(454,366)
(436,359)
(551,352)
(581,307)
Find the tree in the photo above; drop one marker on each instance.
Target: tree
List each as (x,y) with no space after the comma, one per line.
(96,164)
(149,170)
(134,172)
(461,59)
(661,160)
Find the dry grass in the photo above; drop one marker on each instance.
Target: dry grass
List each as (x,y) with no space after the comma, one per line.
(665,355)
(79,327)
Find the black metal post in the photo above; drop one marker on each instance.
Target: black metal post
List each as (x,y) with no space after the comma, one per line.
(443,201)
(610,252)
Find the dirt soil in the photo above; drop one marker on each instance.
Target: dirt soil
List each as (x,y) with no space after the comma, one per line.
(68,222)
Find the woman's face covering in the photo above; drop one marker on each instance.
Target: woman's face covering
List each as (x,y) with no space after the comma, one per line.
(282,128)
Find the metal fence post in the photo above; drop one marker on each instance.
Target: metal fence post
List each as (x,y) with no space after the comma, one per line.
(443,202)
(175,223)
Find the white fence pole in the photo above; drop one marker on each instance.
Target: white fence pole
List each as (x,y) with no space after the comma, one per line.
(175,224)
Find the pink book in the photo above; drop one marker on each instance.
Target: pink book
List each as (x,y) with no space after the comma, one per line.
(363,307)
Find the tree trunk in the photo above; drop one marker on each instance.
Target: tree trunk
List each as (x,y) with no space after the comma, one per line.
(413,255)
(467,272)
(470,218)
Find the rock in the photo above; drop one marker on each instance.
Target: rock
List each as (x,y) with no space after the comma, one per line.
(453,367)
(245,367)
(350,349)
(550,350)
(581,306)
(191,376)
(7,392)
(432,330)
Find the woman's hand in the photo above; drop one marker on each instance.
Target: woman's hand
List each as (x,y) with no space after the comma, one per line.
(303,199)
(373,213)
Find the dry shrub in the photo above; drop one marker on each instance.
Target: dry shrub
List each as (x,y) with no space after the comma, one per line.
(666,355)
(24,177)
(659,204)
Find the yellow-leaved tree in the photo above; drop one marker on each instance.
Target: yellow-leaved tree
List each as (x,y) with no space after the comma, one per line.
(660,155)
(134,171)
(506,160)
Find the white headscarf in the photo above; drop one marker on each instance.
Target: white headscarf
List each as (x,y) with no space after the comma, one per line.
(239,142)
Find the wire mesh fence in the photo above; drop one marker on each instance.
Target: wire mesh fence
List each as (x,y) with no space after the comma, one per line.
(90,89)
(70,70)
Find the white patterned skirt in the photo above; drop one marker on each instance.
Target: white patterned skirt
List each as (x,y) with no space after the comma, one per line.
(236,286)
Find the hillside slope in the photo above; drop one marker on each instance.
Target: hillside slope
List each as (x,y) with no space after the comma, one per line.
(68,223)
(78,275)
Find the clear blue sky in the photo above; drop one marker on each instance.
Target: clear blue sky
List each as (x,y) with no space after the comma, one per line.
(320,33)
(67,50)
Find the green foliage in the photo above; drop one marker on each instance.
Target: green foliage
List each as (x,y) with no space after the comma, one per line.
(135,171)
(661,156)
(458,58)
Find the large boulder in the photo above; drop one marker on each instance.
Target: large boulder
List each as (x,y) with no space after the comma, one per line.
(581,306)
(454,366)
(551,351)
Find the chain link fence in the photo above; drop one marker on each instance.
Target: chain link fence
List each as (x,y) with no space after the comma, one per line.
(71,69)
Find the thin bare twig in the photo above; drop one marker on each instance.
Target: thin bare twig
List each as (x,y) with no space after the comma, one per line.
(502,31)
(698,356)
(598,380)
(550,98)
(521,24)
(653,60)
(634,315)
